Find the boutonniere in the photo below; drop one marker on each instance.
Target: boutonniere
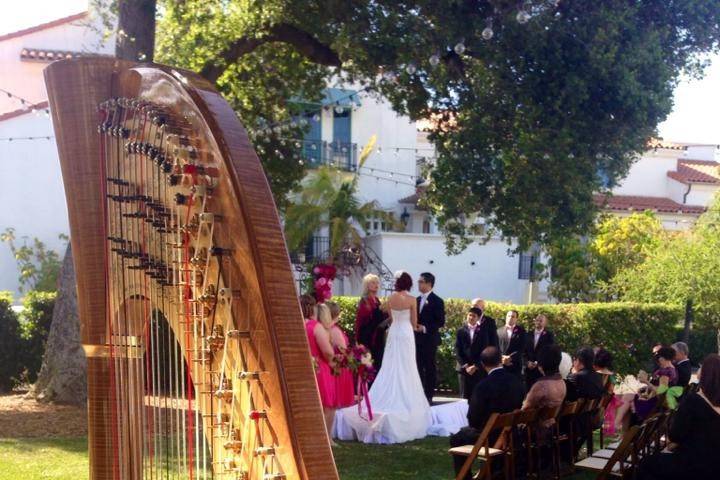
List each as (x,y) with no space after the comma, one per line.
(515,329)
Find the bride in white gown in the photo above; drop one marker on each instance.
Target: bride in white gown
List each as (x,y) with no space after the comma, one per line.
(400,409)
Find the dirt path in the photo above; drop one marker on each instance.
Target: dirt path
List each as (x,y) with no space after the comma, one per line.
(24,417)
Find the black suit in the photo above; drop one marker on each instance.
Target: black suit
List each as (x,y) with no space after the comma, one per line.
(468,353)
(585,384)
(499,392)
(684,372)
(432,317)
(531,351)
(514,347)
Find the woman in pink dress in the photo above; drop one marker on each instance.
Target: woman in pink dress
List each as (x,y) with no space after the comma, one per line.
(322,351)
(344,382)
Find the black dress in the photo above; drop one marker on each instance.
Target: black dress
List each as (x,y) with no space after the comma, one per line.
(696,430)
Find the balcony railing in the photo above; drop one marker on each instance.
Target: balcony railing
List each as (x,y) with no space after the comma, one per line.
(341,155)
(316,250)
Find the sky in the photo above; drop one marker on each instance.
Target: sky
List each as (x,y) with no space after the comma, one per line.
(694,118)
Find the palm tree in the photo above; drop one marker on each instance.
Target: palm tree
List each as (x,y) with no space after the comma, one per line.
(329,199)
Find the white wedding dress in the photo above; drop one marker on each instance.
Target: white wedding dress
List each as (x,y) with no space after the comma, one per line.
(400,409)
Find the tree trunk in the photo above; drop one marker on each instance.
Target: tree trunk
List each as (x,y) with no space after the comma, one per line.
(62,376)
(136,30)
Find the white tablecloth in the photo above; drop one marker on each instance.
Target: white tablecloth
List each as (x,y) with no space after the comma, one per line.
(447,418)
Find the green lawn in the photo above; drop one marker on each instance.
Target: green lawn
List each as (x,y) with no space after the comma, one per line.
(66,459)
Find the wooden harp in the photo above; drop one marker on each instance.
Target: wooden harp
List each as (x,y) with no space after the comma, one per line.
(198,362)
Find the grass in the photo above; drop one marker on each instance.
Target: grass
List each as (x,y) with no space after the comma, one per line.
(43,459)
(66,459)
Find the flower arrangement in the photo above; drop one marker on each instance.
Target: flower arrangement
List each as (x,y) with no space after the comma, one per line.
(323,276)
(357,359)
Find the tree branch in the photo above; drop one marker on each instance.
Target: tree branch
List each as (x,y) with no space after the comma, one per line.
(302,41)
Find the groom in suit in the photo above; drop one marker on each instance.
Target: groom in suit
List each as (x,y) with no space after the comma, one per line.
(512,343)
(431,318)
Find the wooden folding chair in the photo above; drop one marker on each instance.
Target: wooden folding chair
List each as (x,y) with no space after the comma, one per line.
(619,464)
(482,450)
(526,423)
(566,414)
(602,408)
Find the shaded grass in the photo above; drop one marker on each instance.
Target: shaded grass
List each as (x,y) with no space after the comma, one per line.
(66,459)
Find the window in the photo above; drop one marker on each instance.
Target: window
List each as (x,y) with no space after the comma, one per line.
(426,225)
(526,267)
(341,126)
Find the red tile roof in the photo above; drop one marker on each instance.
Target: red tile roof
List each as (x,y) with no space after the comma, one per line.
(43,26)
(696,171)
(655,204)
(21,111)
(44,55)
(414,198)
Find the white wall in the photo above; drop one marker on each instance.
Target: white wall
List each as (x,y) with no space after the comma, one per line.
(702,152)
(24,78)
(648,175)
(494,275)
(396,140)
(31,191)
(701,194)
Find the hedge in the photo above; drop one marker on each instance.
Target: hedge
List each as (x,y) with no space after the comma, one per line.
(627,330)
(35,321)
(10,345)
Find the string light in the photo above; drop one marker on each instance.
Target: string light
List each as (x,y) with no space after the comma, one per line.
(12,139)
(26,104)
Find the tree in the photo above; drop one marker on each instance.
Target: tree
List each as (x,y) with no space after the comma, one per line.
(683,268)
(38,267)
(328,199)
(582,267)
(536,109)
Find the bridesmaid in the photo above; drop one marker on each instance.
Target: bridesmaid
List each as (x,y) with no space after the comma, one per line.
(322,351)
(344,384)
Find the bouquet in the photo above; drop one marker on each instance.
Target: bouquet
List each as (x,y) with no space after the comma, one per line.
(358,360)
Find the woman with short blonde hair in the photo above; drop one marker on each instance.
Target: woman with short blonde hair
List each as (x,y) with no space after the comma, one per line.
(367,281)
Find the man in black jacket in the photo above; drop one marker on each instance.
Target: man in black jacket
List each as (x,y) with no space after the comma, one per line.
(512,343)
(534,341)
(499,392)
(682,364)
(431,318)
(470,341)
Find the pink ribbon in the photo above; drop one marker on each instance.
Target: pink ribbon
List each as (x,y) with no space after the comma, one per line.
(363,390)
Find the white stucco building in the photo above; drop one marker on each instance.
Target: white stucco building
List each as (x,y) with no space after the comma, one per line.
(676,181)
(32,192)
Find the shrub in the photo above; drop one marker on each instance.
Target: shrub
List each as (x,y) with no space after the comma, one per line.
(628,330)
(10,344)
(35,322)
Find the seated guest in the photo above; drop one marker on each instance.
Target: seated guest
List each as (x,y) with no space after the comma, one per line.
(512,343)
(682,363)
(584,382)
(603,366)
(499,392)
(644,403)
(469,344)
(694,433)
(549,390)
(534,341)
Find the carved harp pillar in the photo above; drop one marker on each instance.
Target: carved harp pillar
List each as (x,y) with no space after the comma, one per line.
(198,364)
